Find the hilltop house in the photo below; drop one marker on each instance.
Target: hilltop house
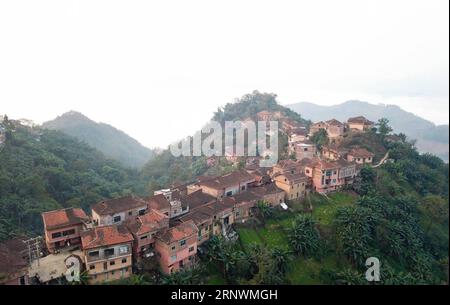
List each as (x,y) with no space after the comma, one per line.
(333,152)
(176,247)
(116,211)
(62,228)
(107,253)
(303,150)
(330,176)
(359,123)
(333,127)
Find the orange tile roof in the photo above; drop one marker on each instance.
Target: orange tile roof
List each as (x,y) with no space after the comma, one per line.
(149,222)
(158,202)
(360,153)
(228,180)
(105,236)
(63,218)
(179,232)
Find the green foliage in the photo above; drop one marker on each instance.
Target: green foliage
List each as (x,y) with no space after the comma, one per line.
(304,236)
(41,170)
(320,138)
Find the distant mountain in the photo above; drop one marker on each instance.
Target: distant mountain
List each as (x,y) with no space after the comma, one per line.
(430,137)
(112,142)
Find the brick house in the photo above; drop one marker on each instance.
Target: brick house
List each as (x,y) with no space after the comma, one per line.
(306,149)
(324,175)
(176,247)
(144,229)
(360,156)
(333,152)
(107,253)
(116,211)
(359,123)
(62,228)
(294,185)
(270,193)
(227,185)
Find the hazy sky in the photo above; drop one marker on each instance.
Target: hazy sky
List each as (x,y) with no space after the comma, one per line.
(158,69)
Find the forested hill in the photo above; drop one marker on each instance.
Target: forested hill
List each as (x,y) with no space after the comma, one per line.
(112,142)
(43,169)
(165,169)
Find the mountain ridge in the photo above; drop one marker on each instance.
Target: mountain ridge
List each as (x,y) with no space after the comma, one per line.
(111,141)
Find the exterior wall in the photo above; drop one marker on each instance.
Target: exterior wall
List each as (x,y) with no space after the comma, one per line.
(330,155)
(204,232)
(326,180)
(305,151)
(173,254)
(335,131)
(106,220)
(18,278)
(54,243)
(292,191)
(242,211)
(176,209)
(274,199)
(235,189)
(213,192)
(356,126)
(104,268)
(359,160)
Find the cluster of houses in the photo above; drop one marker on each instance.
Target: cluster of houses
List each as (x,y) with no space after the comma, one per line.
(173,223)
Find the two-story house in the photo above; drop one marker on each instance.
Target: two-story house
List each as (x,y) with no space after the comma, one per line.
(107,253)
(360,155)
(144,229)
(176,247)
(62,228)
(359,123)
(116,211)
(294,185)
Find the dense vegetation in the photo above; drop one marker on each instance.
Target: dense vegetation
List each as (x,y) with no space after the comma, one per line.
(42,170)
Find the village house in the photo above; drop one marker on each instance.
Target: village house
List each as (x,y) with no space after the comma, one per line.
(324,175)
(227,185)
(62,228)
(288,125)
(347,172)
(159,202)
(360,156)
(333,152)
(286,166)
(13,262)
(294,185)
(359,123)
(306,149)
(269,193)
(116,211)
(107,253)
(243,205)
(333,127)
(297,135)
(144,229)
(176,247)
(176,206)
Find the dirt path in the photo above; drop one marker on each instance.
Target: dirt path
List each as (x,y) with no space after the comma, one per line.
(383,160)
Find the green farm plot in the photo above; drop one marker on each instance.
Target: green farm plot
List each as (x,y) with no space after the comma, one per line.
(324,209)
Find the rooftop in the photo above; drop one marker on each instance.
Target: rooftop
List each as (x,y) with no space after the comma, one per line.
(360,153)
(158,202)
(179,232)
(359,120)
(64,218)
(105,236)
(228,180)
(149,222)
(112,206)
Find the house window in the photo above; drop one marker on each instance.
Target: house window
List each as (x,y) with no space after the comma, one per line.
(173,247)
(191,249)
(124,260)
(112,263)
(94,254)
(109,252)
(22,281)
(141,212)
(182,243)
(144,237)
(69,232)
(243,188)
(123,249)
(130,213)
(117,219)
(91,267)
(228,194)
(56,235)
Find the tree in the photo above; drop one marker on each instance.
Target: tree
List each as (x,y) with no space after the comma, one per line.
(304,236)
(383,127)
(320,138)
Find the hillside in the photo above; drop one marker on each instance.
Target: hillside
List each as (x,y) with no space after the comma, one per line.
(42,169)
(112,142)
(430,138)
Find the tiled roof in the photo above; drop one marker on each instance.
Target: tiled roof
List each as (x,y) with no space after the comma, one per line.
(292,178)
(228,180)
(105,236)
(334,122)
(179,232)
(360,153)
(322,164)
(112,206)
(11,257)
(149,222)
(359,120)
(267,189)
(63,218)
(158,202)
(196,199)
